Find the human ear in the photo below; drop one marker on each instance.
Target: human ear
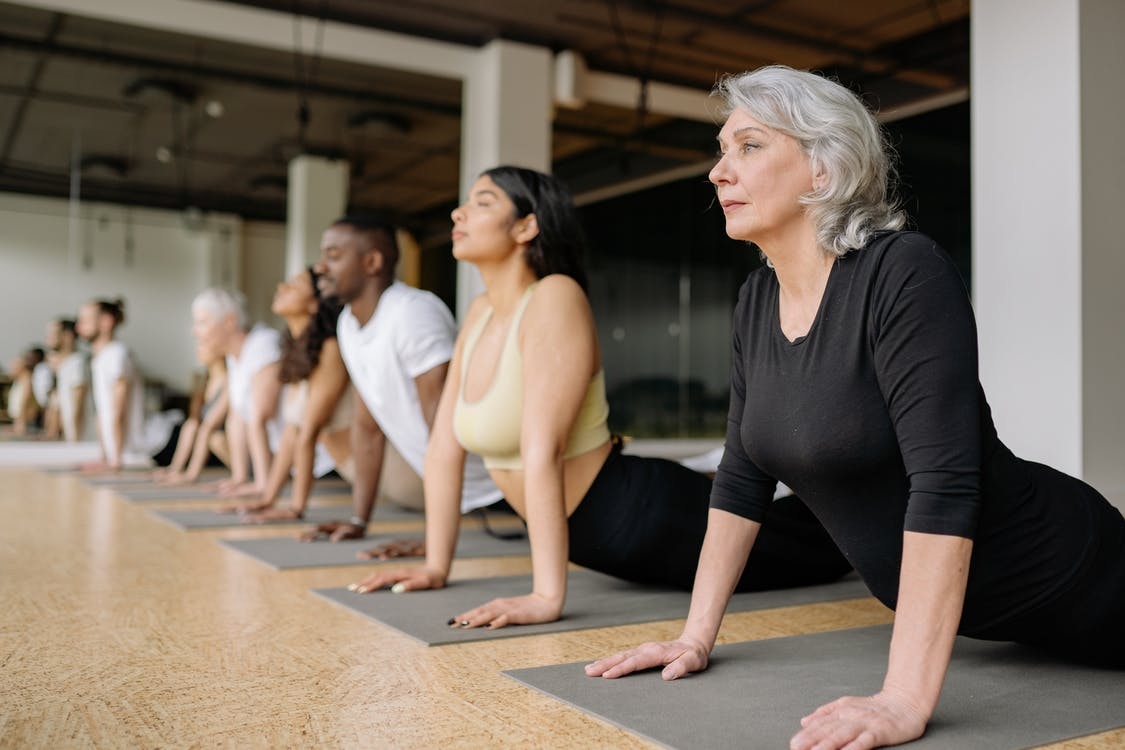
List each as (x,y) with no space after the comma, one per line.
(526,229)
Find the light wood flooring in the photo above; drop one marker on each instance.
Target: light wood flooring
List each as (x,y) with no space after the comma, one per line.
(118,630)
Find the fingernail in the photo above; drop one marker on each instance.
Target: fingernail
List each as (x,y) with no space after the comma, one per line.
(398,588)
(361,590)
(452,620)
(353,586)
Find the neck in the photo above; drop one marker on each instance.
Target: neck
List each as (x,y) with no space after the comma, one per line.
(297,324)
(236,342)
(363,306)
(800,264)
(505,283)
(100,341)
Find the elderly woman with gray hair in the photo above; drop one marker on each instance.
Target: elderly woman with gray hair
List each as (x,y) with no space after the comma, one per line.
(854,381)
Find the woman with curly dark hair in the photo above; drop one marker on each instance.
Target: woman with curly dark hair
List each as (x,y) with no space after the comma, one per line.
(316,406)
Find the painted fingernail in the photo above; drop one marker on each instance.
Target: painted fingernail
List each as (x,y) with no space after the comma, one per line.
(452,620)
(361,590)
(398,588)
(353,586)
(464,623)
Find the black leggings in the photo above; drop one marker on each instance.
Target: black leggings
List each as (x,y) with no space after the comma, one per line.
(643,520)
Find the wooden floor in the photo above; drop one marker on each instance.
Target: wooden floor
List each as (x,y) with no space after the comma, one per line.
(119,630)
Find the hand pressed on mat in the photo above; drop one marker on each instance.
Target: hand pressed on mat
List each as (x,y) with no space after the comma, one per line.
(400,580)
(334,531)
(394,548)
(516,610)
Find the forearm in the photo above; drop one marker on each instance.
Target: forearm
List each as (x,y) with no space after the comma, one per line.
(304,459)
(367,448)
(935,571)
(236,443)
(120,415)
(547,527)
(258,443)
(200,450)
(441,486)
(279,467)
(184,445)
(722,559)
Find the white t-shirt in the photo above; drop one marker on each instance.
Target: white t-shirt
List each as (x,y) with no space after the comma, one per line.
(410,333)
(109,365)
(72,374)
(42,382)
(261,347)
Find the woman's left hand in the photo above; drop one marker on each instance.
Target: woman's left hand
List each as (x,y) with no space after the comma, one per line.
(266,513)
(516,610)
(860,723)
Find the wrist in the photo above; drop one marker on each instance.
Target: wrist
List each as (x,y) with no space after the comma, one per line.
(359,523)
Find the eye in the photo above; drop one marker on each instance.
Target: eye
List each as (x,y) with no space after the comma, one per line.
(747,147)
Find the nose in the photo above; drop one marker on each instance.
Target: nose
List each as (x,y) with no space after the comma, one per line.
(719,173)
(319,267)
(457,214)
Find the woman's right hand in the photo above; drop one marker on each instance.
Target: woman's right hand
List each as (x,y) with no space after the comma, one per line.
(677,657)
(400,580)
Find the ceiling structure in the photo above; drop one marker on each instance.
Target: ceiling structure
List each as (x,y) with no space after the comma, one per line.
(146,117)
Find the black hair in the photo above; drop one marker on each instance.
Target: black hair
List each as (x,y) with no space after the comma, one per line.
(114,307)
(561,244)
(66,325)
(33,356)
(301,355)
(378,233)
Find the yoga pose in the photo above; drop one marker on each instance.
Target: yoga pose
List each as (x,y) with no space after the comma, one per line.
(526,391)
(68,407)
(220,323)
(396,342)
(316,402)
(854,381)
(126,436)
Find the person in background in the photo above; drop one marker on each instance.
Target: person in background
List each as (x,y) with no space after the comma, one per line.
(126,436)
(202,434)
(316,401)
(396,342)
(220,323)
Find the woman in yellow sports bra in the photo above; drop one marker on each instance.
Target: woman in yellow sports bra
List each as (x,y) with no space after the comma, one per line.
(525,390)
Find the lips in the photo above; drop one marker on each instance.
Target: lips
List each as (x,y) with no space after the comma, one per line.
(730,205)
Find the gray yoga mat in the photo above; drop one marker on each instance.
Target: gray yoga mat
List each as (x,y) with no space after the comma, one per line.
(286,552)
(152,492)
(996,695)
(593,600)
(211,519)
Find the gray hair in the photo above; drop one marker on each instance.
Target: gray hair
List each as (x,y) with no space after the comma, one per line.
(842,139)
(219,303)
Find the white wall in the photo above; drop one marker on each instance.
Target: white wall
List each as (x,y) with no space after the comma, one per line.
(45,275)
(263,266)
(1027,257)
(1102,28)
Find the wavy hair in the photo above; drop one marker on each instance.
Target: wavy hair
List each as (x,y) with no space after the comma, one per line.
(841,138)
(115,308)
(301,355)
(560,244)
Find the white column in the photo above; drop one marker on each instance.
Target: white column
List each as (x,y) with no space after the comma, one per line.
(1047,255)
(505,119)
(318,195)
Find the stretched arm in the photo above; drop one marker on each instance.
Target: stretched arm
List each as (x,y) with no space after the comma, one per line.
(935,571)
(726,546)
(326,387)
(78,417)
(278,476)
(120,399)
(239,453)
(265,388)
(184,442)
(368,445)
(201,450)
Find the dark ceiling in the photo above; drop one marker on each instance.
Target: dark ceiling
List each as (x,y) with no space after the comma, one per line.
(154,118)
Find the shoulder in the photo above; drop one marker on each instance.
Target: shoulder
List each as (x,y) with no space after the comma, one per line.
(477,309)
(557,293)
(407,300)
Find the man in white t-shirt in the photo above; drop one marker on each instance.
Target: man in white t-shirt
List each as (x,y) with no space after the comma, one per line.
(127,437)
(396,342)
(220,322)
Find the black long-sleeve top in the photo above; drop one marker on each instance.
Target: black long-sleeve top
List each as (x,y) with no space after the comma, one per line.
(877,420)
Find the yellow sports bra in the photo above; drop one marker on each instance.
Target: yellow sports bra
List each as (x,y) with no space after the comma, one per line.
(491,426)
